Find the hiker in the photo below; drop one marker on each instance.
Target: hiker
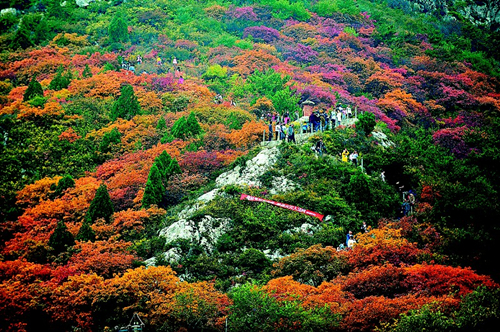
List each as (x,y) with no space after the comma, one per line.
(354,158)
(270,131)
(320,147)
(181,79)
(364,227)
(283,131)
(291,134)
(277,130)
(286,117)
(349,112)
(139,59)
(339,117)
(351,242)
(305,126)
(322,121)
(158,61)
(349,236)
(345,154)
(382,176)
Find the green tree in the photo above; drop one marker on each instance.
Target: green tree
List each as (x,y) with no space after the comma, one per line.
(61,238)
(21,38)
(163,163)
(161,125)
(101,206)
(86,233)
(193,127)
(126,106)
(366,123)
(86,73)
(154,191)
(173,168)
(118,30)
(34,89)
(61,80)
(180,128)
(64,183)
(283,100)
(114,136)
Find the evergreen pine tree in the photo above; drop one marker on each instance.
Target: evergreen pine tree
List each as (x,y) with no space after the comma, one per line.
(61,238)
(34,89)
(86,73)
(86,233)
(101,206)
(114,136)
(154,191)
(64,183)
(127,105)
(193,127)
(61,80)
(118,30)
(366,123)
(163,163)
(161,124)
(173,168)
(22,38)
(179,129)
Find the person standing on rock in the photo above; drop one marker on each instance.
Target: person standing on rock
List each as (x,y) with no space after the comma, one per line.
(277,130)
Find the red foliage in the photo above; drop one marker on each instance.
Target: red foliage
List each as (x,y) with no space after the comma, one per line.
(436,280)
(103,257)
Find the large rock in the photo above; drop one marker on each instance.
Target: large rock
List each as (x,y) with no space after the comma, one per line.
(205,233)
(254,168)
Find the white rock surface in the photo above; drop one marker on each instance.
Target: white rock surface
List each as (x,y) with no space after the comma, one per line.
(84,3)
(5,11)
(205,233)
(254,168)
(382,139)
(281,185)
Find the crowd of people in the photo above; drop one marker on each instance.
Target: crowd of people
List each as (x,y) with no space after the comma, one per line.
(320,120)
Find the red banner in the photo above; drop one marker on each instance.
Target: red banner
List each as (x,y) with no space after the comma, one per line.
(283,205)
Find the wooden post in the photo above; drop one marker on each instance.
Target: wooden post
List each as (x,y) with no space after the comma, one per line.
(356,111)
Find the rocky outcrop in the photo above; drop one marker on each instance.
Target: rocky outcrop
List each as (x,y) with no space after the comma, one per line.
(254,168)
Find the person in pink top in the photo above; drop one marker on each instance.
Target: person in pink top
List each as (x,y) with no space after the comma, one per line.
(181,80)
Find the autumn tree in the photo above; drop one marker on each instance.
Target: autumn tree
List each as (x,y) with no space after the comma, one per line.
(101,206)
(61,238)
(34,89)
(126,106)
(154,191)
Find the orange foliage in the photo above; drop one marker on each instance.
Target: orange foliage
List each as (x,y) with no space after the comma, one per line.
(102,257)
(366,314)
(249,135)
(32,194)
(51,109)
(69,135)
(252,60)
(384,245)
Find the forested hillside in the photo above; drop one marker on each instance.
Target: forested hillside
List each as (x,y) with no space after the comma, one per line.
(130,130)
